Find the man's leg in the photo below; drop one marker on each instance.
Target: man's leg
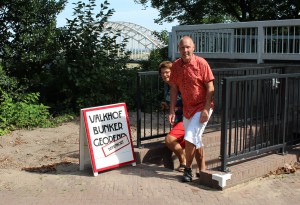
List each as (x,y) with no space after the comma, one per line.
(199,155)
(189,154)
(190,149)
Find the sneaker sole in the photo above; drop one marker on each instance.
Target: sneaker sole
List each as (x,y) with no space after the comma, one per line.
(186,180)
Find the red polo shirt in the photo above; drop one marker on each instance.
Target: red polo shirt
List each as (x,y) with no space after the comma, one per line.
(191,78)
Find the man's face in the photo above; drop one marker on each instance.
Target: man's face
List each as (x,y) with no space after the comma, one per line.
(186,49)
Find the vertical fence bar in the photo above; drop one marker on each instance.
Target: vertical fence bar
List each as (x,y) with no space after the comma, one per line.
(231,116)
(157,111)
(144,113)
(251,115)
(260,44)
(138,113)
(285,83)
(151,108)
(245,113)
(225,104)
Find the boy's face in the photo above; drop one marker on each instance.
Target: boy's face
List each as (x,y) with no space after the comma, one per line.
(165,74)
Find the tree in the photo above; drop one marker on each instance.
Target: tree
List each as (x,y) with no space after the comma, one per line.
(213,11)
(28,38)
(91,67)
(159,54)
(71,67)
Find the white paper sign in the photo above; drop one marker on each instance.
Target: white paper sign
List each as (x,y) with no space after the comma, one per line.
(108,134)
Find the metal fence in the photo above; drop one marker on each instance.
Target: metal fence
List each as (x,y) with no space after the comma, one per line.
(152,122)
(257,40)
(261,113)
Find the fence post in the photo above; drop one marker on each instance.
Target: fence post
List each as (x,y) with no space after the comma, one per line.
(225,107)
(138,113)
(260,43)
(285,110)
(173,44)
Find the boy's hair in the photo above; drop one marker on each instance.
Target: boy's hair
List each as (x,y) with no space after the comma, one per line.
(164,64)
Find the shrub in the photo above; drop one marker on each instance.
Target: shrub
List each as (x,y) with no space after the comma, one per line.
(19,109)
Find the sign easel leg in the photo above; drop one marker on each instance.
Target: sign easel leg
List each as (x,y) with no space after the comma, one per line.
(82,138)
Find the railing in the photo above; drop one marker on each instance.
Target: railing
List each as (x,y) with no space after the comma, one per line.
(152,122)
(261,113)
(260,40)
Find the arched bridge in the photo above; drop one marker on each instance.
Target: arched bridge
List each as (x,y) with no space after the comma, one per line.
(140,39)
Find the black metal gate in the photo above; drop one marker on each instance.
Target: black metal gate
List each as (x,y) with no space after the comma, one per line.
(261,113)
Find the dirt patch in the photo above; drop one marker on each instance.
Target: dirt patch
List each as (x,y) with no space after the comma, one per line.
(29,148)
(286,169)
(46,147)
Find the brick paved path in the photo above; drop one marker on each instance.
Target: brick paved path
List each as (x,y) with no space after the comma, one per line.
(143,184)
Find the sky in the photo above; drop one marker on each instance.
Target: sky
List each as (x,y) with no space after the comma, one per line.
(125,10)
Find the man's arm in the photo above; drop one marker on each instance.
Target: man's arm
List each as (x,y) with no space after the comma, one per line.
(164,105)
(209,98)
(173,100)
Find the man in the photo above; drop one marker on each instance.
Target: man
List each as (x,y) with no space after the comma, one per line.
(192,76)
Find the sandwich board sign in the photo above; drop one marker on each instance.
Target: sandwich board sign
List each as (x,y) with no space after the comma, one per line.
(105,137)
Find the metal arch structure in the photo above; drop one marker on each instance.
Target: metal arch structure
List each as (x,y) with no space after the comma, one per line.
(140,39)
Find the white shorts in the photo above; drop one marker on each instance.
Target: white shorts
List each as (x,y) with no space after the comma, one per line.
(194,129)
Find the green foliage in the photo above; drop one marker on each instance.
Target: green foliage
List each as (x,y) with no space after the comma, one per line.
(71,67)
(64,68)
(163,36)
(22,110)
(8,84)
(214,11)
(157,55)
(87,70)
(28,38)
(26,113)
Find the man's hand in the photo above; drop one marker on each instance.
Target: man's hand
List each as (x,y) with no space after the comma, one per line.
(204,116)
(172,118)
